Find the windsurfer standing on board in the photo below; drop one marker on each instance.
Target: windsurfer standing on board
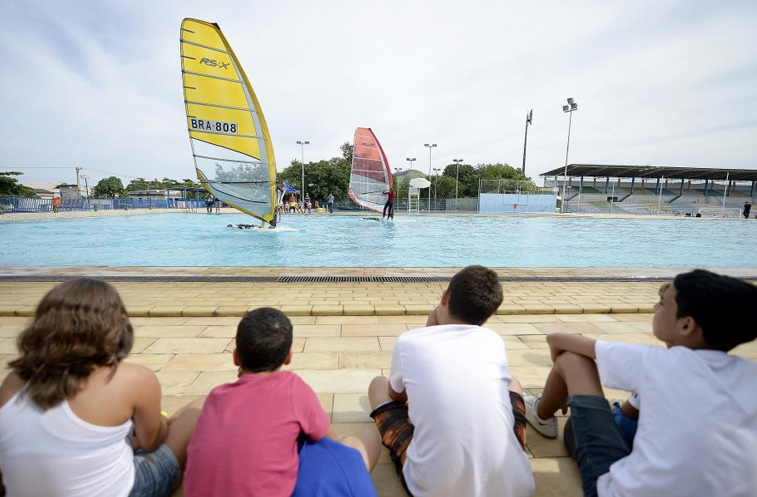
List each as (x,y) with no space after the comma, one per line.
(280,189)
(389,205)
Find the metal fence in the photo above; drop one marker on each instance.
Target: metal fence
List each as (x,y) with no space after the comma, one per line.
(27,205)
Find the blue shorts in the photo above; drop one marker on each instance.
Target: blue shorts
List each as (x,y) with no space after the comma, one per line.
(331,469)
(593,439)
(157,473)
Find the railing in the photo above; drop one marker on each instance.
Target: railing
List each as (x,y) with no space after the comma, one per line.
(468,205)
(32,205)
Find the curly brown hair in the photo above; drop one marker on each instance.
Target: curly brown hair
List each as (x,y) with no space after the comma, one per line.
(79,325)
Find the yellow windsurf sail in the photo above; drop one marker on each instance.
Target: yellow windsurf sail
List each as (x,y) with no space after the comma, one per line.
(230,142)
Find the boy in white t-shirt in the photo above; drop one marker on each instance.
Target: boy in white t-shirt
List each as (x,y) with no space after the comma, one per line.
(451,414)
(697,429)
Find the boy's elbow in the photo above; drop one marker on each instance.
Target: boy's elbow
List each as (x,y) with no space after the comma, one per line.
(151,446)
(398,396)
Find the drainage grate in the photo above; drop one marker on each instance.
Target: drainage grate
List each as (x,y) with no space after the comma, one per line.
(343,279)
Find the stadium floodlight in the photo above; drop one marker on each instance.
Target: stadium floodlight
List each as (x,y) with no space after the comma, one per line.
(409,179)
(302,144)
(572,106)
(430,147)
(529,120)
(457,178)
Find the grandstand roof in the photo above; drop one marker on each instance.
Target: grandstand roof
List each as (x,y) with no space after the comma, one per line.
(648,171)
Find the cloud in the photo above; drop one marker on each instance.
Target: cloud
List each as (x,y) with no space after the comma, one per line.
(97,84)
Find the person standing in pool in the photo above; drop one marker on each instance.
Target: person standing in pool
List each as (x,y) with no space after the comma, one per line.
(389,205)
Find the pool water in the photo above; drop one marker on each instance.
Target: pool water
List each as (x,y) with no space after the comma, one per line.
(348,241)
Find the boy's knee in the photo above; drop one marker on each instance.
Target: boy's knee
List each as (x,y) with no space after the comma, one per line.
(515,386)
(378,391)
(570,361)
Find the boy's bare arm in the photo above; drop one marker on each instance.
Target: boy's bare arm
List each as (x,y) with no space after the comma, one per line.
(629,410)
(568,342)
(331,433)
(432,321)
(399,397)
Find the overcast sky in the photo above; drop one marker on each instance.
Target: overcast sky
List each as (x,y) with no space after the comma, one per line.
(97,83)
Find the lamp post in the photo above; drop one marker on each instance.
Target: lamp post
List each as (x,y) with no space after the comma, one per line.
(436,182)
(85,177)
(302,147)
(430,146)
(409,179)
(572,106)
(78,193)
(457,178)
(529,119)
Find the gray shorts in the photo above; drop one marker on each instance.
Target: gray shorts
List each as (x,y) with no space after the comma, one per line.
(157,473)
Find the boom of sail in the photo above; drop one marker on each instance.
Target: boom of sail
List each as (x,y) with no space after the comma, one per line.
(370,174)
(232,149)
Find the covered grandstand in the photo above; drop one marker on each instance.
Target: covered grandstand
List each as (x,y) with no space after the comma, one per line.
(648,189)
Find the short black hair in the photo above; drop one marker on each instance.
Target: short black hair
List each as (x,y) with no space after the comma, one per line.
(724,307)
(264,339)
(475,293)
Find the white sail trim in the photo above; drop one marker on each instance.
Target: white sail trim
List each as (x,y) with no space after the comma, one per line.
(206,149)
(368,192)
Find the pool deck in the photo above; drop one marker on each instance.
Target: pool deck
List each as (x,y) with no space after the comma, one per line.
(344,332)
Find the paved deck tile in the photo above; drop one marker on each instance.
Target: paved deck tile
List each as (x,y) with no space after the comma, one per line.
(338,355)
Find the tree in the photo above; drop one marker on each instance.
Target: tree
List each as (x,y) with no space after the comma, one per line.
(500,171)
(154,184)
(444,187)
(110,188)
(347,150)
(401,181)
(138,184)
(468,177)
(10,187)
(495,178)
(326,176)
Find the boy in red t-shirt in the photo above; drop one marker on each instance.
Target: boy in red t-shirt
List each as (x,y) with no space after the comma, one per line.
(245,441)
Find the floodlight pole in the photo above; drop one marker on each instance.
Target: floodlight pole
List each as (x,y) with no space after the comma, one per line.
(457,178)
(409,179)
(436,182)
(430,146)
(725,190)
(85,177)
(572,106)
(78,193)
(529,119)
(302,148)
(659,200)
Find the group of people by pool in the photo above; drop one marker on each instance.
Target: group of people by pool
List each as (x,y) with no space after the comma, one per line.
(77,420)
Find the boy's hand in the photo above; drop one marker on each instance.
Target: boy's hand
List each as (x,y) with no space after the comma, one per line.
(432,321)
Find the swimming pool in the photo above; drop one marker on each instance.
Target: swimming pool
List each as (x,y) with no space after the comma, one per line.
(347,241)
